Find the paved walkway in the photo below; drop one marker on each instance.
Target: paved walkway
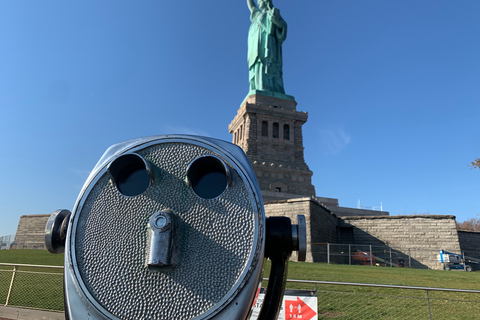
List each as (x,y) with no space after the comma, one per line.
(11,313)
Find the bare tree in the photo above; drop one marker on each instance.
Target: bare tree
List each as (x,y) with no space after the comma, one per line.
(475,164)
(472,224)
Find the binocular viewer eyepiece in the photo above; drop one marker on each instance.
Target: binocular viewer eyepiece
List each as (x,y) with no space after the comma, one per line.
(172,227)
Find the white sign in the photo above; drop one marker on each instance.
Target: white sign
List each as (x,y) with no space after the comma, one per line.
(296,304)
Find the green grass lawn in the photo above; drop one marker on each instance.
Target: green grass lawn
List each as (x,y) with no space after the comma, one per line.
(382,275)
(44,290)
(38,257)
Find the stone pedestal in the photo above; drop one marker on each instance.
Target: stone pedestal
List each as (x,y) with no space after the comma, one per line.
(269,130)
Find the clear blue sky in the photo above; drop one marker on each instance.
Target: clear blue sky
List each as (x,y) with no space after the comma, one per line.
(392,88)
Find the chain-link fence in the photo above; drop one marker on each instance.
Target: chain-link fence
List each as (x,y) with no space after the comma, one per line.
(337,300)
(383,256)
(39,287)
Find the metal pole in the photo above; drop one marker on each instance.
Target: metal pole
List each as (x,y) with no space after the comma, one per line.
(371,256)
(409,259)
(391,262)
(11,285)
(328,253)
(429,310)
(349,254)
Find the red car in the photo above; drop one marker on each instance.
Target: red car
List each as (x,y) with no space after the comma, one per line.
(363,258)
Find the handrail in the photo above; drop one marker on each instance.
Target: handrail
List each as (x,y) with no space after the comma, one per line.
(30,265)
(381,285)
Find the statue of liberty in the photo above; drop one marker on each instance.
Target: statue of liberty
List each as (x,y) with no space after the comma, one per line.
(265,37)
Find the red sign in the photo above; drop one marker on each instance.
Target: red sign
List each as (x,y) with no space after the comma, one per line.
(298,310)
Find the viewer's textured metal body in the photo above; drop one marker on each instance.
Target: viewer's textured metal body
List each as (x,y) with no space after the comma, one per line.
(219,248)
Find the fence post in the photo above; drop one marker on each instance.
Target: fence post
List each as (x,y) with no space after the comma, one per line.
(349,254)
(371,256)
(11,285)
(391,261)
(385,256)
(409,259)
(429,310)
(328,253)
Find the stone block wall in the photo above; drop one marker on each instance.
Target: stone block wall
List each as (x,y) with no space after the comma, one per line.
(31,232)
(348,212)
(420,236)
(469,243)
(321,224)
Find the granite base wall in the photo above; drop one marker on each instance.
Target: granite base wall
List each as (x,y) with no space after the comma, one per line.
(420,236)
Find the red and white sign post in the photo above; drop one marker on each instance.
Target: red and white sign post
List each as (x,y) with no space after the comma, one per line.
(299,309)
(297,304)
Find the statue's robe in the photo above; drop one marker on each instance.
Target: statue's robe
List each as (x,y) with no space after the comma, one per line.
(265,52)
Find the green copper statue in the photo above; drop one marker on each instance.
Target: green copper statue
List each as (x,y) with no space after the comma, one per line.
(265,37)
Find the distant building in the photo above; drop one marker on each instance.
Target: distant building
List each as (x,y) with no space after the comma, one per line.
(5,242)
(31,232)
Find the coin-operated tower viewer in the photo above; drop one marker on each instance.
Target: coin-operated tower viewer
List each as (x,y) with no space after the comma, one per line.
(172,227)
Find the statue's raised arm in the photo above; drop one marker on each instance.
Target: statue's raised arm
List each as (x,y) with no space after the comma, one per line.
(267,33)
(251,5)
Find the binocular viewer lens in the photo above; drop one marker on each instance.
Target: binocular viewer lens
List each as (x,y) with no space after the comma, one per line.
(131,174)
(208,176)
